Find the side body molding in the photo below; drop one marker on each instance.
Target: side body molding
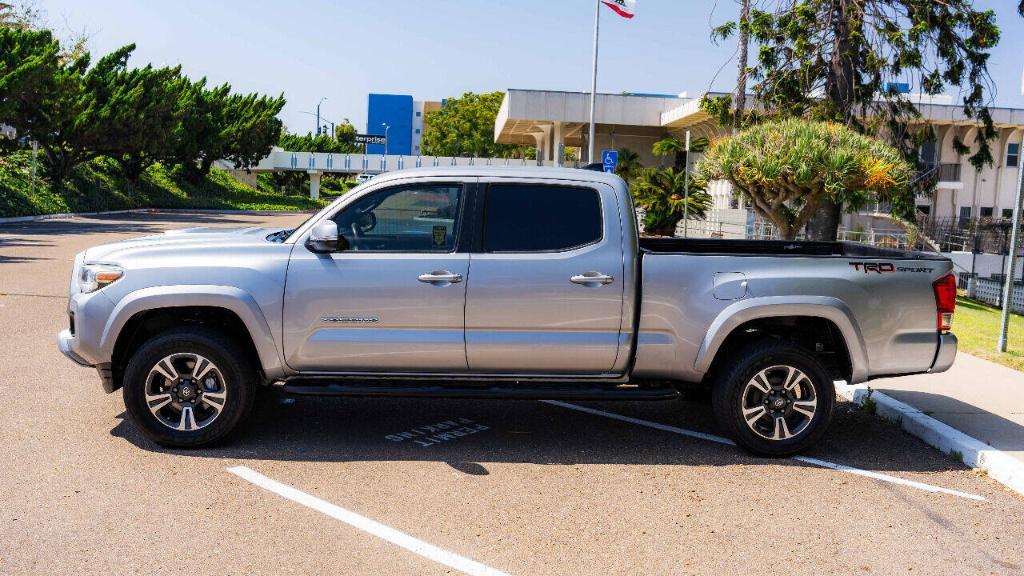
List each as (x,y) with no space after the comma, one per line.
(825,307)
(228,297)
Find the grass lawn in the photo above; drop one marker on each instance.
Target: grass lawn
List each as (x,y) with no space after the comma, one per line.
(97,186)
(976,326)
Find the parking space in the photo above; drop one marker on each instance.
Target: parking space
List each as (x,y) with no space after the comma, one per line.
(409,486)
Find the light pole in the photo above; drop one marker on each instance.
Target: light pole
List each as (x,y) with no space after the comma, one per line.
(1011,266)
(318,113)
(386,128)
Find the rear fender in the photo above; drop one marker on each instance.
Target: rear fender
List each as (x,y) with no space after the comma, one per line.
(833,309)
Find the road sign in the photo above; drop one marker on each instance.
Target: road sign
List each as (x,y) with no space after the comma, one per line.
(610,159)
(370,139)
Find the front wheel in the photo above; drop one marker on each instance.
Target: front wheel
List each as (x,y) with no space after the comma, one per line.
(774,398)
(188,388)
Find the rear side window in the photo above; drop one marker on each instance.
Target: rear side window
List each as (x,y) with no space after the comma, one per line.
(537,218)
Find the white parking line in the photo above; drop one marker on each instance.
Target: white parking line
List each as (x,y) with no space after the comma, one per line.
(804,459)
(410,543)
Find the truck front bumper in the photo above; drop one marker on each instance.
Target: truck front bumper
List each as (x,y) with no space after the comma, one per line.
(946,353)
(66,344)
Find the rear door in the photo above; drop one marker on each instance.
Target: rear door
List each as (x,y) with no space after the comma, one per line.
(393,299)
(546,292)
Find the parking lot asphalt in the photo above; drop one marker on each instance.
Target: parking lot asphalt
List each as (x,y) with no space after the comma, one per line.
(411,486)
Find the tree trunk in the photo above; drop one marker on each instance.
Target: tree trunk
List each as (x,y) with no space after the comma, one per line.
(824,225)
(739,97)
(840,89)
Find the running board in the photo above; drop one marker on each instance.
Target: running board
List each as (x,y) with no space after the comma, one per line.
(431,390)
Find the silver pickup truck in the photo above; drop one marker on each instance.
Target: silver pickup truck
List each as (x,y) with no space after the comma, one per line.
(499,283)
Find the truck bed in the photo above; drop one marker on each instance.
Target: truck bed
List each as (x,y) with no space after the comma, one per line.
(662,245)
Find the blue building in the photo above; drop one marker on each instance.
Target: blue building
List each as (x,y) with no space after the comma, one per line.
(392,114)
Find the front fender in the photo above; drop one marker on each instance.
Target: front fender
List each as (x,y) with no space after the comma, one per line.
(228,297)
(833,309)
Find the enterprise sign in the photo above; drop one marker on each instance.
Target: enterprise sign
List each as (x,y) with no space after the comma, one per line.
(370,139)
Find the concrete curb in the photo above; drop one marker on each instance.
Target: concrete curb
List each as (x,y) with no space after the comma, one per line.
(1000,467)
(41,217)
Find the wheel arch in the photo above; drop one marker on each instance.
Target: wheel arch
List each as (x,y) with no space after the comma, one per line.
(788,317)
(232,310)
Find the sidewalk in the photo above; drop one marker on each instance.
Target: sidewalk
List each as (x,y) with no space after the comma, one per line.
(975,397)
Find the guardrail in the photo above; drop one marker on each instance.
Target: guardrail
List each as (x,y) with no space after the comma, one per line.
(282,160)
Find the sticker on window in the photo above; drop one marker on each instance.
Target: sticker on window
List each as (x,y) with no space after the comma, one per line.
(440,235)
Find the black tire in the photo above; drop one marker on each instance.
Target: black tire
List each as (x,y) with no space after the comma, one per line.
(234,369)
(731,395)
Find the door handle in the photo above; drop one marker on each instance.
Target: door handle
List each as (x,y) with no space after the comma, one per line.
(440,277)
(592,279)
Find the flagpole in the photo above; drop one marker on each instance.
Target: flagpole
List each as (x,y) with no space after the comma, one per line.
(593,87)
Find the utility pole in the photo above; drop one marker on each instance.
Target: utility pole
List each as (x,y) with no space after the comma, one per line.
(1011,265)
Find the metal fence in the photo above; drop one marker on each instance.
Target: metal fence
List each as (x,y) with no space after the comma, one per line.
(989,235)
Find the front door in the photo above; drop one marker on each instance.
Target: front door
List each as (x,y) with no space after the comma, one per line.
(393,298)
(547,288)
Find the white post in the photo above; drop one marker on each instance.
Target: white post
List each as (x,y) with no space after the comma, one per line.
(686,187)
(1011,264)
(593,86)
(314,184)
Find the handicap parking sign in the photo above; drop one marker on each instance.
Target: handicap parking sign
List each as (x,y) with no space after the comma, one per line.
(610,159)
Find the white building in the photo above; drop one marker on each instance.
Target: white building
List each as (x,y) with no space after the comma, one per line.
(549,119)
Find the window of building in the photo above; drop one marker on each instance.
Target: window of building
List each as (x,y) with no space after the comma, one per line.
(965,215)
(1013,154)
(417,130)
(924,209)
(406,219)
(1007,212)
(986,211)
(524,218)
(418,113)
(734,202)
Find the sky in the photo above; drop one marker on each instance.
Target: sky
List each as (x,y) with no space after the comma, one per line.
(345,49)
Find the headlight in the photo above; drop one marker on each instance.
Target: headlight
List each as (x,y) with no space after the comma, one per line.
(92,277)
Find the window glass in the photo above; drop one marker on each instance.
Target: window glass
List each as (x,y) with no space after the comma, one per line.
(1013,154)
(1007,212)
(410,219)
(536,218)
(986,212)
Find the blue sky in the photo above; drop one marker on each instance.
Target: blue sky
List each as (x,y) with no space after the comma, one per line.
(439,48)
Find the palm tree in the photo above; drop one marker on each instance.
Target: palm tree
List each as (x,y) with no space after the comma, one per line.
(670,145)
(662,194)
(629,163)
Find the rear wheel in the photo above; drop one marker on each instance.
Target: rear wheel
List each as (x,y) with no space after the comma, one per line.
(188,387)
(774,398)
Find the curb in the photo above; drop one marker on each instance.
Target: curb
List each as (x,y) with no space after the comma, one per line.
(41,217)
(1000,467)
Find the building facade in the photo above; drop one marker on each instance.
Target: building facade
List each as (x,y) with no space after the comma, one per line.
(401,119)
(551,119)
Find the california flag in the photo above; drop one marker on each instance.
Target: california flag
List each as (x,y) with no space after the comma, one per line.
(624,8)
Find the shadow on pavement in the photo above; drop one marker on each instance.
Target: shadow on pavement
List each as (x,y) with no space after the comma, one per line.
(15,242)
(368,429)
(976,422)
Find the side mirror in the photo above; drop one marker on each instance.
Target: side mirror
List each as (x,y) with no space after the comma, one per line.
(324,238)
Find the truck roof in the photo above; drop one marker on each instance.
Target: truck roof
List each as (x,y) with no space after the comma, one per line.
(575,174)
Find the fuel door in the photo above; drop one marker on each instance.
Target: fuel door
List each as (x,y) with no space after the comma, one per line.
(730,285)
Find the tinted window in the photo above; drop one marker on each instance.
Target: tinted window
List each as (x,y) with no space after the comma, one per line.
(524,218)
(410,219)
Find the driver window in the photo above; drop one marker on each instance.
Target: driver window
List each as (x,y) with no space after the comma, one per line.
(420,218)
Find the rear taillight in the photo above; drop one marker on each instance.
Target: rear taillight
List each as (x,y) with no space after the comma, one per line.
(945,301)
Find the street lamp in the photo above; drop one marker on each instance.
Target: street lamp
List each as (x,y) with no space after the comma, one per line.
(318,113)
(386,128)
